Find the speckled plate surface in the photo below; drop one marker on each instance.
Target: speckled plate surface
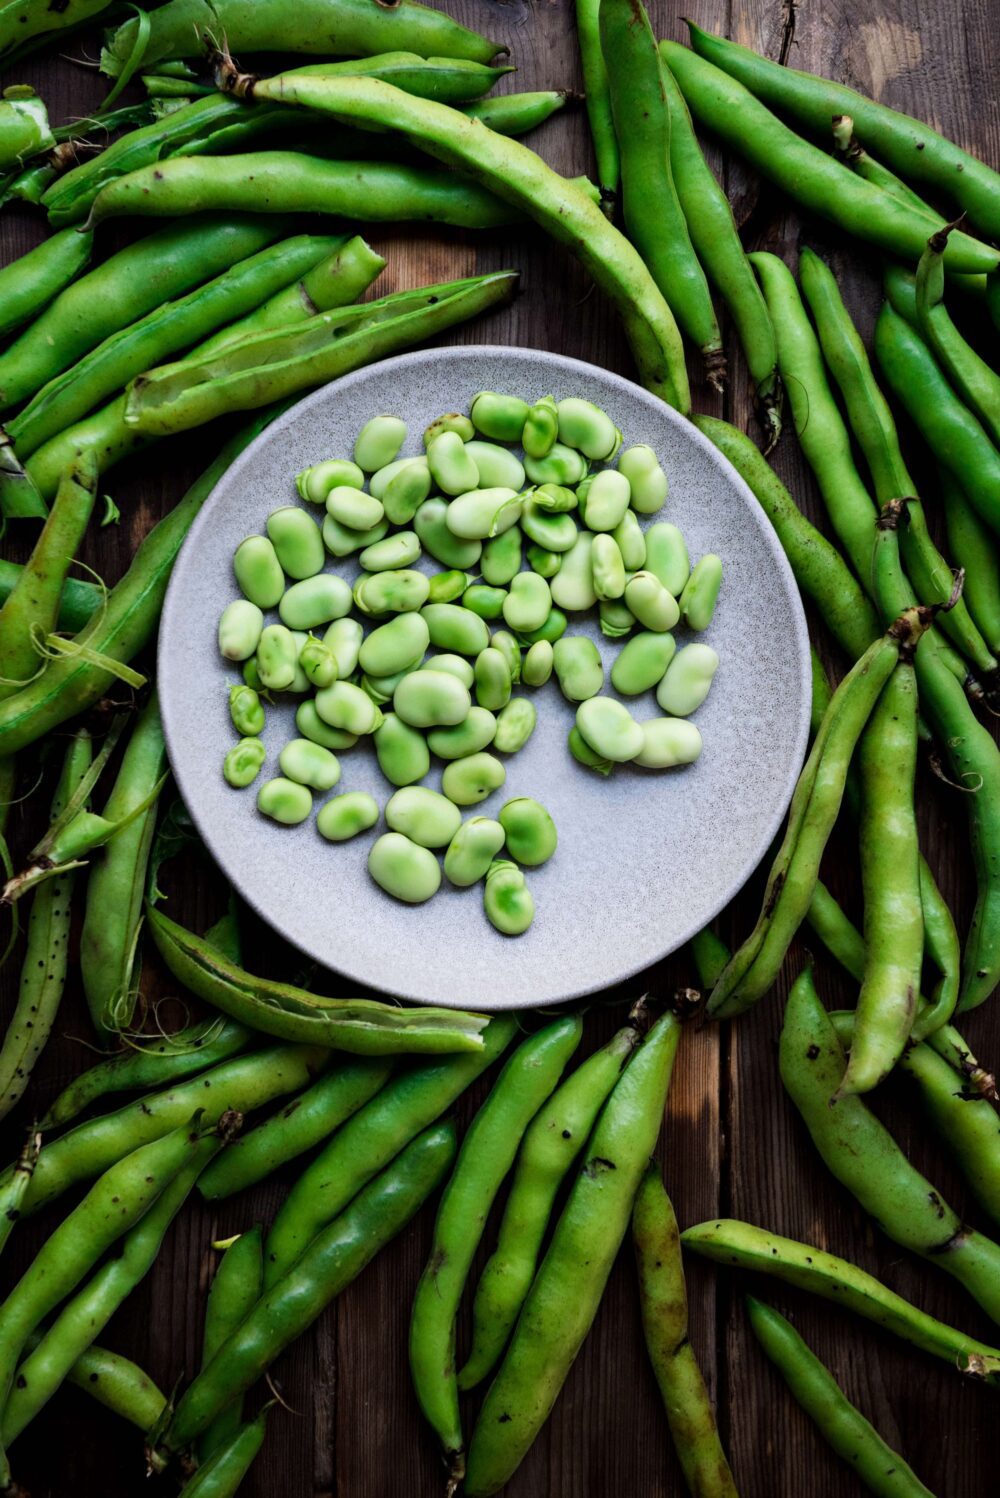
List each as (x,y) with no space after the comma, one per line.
(645,858)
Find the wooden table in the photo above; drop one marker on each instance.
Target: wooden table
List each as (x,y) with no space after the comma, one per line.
(731,1142)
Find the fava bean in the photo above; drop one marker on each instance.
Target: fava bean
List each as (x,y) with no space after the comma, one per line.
(508,647)
(573,586)
(480,514)
(469,780)
(402,592)
(555,530)
(311,726)
(507,899)
(515,725)
(632,542)
(557,499)
(424,816)
(314,601)
(475,732)
(529,830)
(314,484)
(344,638)
(501,558)
(343,705)
(300,681)
(319,663)
(472,850)
(700,593)
(667,556)
(578,667)
(277,657)
(561,465)
(354,508)
(240,630)
(687,680)
(406,491)
(453,470)
(309,764)
(455,665)
(497,467)
(452,421)
(587,427)
(402,751)
(546,563)
(284,801)
(528,602)
(341,541)
(607,500)
(646,478)
(378,442)
(608,567)
(444,546)
(400,550)
(297,541)
(667,742)
(344,816)
(650,602)
(381,688)
(432,699)
(492,679)
(453,628)
(584,755)
(642,662)
(537,665)
(244,762)
(483,600)
(246,711)
(610,729)
(501,417)
(552,630)
(446,587)
(394,646)
(379,482)
(258,572)
(617,619)
(402,868)
(541,428)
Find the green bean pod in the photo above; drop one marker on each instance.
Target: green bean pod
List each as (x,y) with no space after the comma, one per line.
(909,146)
(306,1121)
(664,1304)
(120,1385)
(862,1154)
(567,1289)
(597,93)
(741,1245)
(78,603)
(971,544)
(221,1475)
(364,1026)
(29,283)
(971,376)
(329,1264)
(237,1285)
(809,176)
(882,1470)
(25,25)
(116,885)
(486,1156)
(16,1184)
(652,211)
(521,178)
(516,114)
(968,1124)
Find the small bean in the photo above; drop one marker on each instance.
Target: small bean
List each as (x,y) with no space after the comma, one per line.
(308,763)
(453,628)
(474,733)
(552,630)
(472,850)
(400,550)
(341,541)
(251,675)
(343,705)
(378,442)
(297,541)
(314,601)
(610,729)
(541,428)
(617,619)
(469,780)
(529,830)
(492,679)
(556,499)
(379,482)
(258,571)
(300,681)
(584,755)
(246,711)
(402,868)
(480,514)
(578,667)
(402,592)
(632,543)
(354,508)
(687,680)
(402,751)
(277,657)
(344,816)
(507,899)
(667,742)
(456,665)
(501,417)
(319,663)
(284,801)
(497,467)
(444,546)
(424,816)
(556,531)
(240,630)
(573,586)
(701,592)
(528,602)
(453,470)
(586,426)
(432,699)
(561,465)
(483,600)
(667,556)
(315,483)
(447,587)
(647,480)
(650,603)
(394,646)
(515,725)
(244,762)
(607,500)
(406,491)
(381,688)
(501,558)
(508,647)
(609,567)
(546,563)
(344,638)
(537,666)
(642,662)
(452,421)
(311,726)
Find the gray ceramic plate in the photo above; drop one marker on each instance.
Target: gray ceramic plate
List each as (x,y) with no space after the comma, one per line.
(645,858)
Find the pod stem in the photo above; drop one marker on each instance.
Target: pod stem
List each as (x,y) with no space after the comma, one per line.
(715,368)
(228,78)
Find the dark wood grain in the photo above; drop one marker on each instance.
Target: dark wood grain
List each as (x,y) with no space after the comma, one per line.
(731,1142)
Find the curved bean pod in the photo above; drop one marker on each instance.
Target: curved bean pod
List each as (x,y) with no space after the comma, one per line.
(973,379)
(968,1125)
(516,114)
(120,1385)
(220,1476)
(236,1287)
